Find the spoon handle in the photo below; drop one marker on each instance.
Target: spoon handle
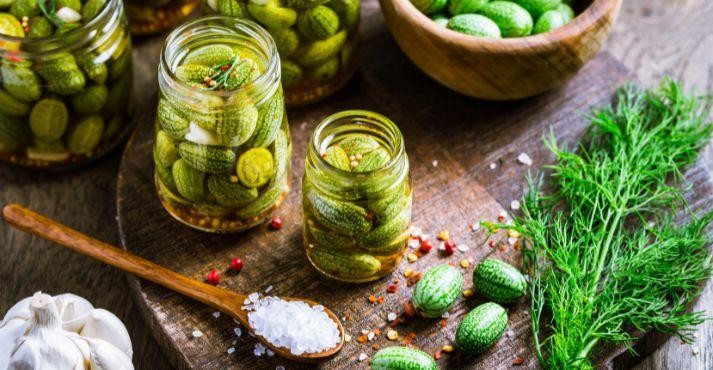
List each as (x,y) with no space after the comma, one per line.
(46,228)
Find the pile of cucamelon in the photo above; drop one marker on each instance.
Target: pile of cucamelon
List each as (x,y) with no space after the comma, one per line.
(359,236)
(316,40)
(60,104)
(221,160)
(499,18)
(437,292)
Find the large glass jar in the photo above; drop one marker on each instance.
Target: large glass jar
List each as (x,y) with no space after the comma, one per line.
(66,82)
(153,16)
(356,197)
(317,41)
(222,146)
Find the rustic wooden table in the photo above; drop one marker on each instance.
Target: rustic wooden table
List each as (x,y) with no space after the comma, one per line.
(653,38)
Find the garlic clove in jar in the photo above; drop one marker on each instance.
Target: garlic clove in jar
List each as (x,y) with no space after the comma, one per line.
(104,325)
(105,356)
(74,311)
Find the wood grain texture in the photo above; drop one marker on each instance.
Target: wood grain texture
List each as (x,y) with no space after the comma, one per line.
(652,38)
(502,69)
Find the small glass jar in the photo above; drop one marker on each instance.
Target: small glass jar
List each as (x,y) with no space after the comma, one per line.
(66,85)
(317,41)
(152,16)
(222,148)
(356,197)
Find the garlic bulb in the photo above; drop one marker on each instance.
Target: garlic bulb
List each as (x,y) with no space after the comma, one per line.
(62,332)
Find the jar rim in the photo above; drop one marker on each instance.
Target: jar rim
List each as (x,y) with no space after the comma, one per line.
(86,28)
(356,115)
(271,74)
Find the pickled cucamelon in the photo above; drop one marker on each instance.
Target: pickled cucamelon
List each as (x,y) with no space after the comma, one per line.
(316,40)
(65,93)
(347,229)
(224,136)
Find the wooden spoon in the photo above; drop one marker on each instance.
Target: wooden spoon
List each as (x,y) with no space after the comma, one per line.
(223,300)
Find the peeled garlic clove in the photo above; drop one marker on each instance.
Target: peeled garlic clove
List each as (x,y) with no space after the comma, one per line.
(104,325)
(199,135)
(74,311)
(105,356)
(21,310)
(212,4)
(68,15)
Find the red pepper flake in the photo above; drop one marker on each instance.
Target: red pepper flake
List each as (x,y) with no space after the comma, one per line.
(372,298)
(376,346)
(426,246)
(501,247)
(276,223)
(13,57)
(444,322)
(381,300)
(409,338)
(452,263)
(213,277)
(236,264)
(449,247)
(413,279)
(437,355)
(409,310)
(376,331)
(391,289)
(501,218)
(518,361)
(491,243)
(361,338)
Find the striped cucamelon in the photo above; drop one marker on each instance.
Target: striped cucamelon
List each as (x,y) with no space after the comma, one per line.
(90,100)
(344,265)
(456,7)
(329,239)
(437,291)
(49,119)
(388,206)
(474,25)
(343,217)
(337,157)
(171,119)
(512,19)
(166,151)
(318,23)
(402,358)
(271,115)
(229,192)
(379,240)
(499,281)
(373,160)
(205,158)
(21,82)
(481,328)
(537,8)
(86,135)
(281,150)
(264,202)
(238,124)
(550,20)
(255,167)
(190,182)
(209,55)
(318,52)
(358,144)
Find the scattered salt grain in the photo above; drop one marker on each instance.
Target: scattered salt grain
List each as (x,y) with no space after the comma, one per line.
(370,336)
(512,241)
(231,350)
(197,333)
(435,163)
(463,248)
(510,333)
(524,159)
(246,301)
(365,332)
(303,126)
(441,247)
(270,353)
(216,314)
(253,297)
(237,332)
(268,289)
(445,315)
(362,356)
(414,243)
(293,325)
(493,166)
(235,341)
(515,204)
(347,338)
(475,226)
(259,349)
(392,316)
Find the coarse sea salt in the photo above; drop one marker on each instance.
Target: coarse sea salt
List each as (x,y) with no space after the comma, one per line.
(524,159)
(293,325)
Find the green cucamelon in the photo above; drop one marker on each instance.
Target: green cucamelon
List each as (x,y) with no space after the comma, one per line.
(165,176)
(474,25)
(21,82)
(210,55)
(90,100)
(481,328)
(329,239)
(171,120)
(337,157)
(318,23)
(206,111)
(166,151)
(255,167)
(344,265)
(387,207)
(456,7)
(272,14)
(316,53)
(62,74)
(537,8)
(95,70)
(402,358)
(281,153)
(271,115)
(11,106)
(25,8)
(343,217)
(566,10)
(359,144)
(92,8)
(40,27)
(86,135)
(430,7)
(286,40)
(228,191)
(14,133)
(550,20)
(348,11)
(442,20)
(193,72)
(206,158)
(238,124)
(325,71)
(437,291)
(233,8)
(263,203)
(380,240)
(49,119)
(499,281)
(190,182)
(291,73)
(373,160)
(305,4)
(512,19)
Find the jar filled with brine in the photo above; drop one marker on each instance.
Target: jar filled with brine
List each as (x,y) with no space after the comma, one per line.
(153,16)
(317,41)
(356,197)
(66,76)
(222,145)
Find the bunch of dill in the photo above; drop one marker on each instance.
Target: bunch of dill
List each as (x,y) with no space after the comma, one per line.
(605,255)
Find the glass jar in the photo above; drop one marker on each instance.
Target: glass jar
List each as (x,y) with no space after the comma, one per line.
(66,85)
(222,146)
(356,197)
(153,16)
(317,41)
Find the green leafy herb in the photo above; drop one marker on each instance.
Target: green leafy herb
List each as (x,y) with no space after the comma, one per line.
(604,254)
(49,9)
(222,72)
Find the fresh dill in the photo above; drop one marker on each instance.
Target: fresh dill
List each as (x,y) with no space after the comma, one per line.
(605,255)
(49,9)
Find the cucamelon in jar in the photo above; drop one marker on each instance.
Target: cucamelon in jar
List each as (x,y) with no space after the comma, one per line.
(356,197)
(317,41)
(222,145)
(66,76)
(153,16)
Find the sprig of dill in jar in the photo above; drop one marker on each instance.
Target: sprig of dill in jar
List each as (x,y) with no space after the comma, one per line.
(605,255)
(49,9)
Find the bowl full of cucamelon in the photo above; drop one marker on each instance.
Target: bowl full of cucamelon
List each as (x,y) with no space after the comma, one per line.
(500,49)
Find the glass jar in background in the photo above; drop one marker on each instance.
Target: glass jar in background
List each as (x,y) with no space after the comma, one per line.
(317,41)
(356,197)
(153,16)
(222,146)
(66,77)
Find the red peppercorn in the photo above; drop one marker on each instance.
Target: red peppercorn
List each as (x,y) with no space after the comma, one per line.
(409,309)
(450,247)
(426,246)
(213,277)
(491,243)
(391,288)
(437,355)
(236,264)
(276,223)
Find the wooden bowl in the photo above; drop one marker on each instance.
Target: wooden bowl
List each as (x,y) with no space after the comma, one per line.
(502,69)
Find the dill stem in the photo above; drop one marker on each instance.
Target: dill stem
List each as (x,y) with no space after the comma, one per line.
(594,283)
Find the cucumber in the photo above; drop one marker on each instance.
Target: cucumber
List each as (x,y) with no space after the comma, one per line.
(437,291)
(230,193)
(474,25)
(344,265)
(210,55)
(165,149)
(552,19)
(329,239)
(86,135)
(318,23)
(512,19)
(481,328)
(337,157)
(206,158)
(402,358)
(318,52)
(281,151)
(380,240)
(271,115)
(499,281)
(537,8)
(171,119)
(263,203)
(373,161)
(358,144)
(387,207)
(190,182)
(343,217)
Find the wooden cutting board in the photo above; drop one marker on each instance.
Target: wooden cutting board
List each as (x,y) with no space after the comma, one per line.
(452,142)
